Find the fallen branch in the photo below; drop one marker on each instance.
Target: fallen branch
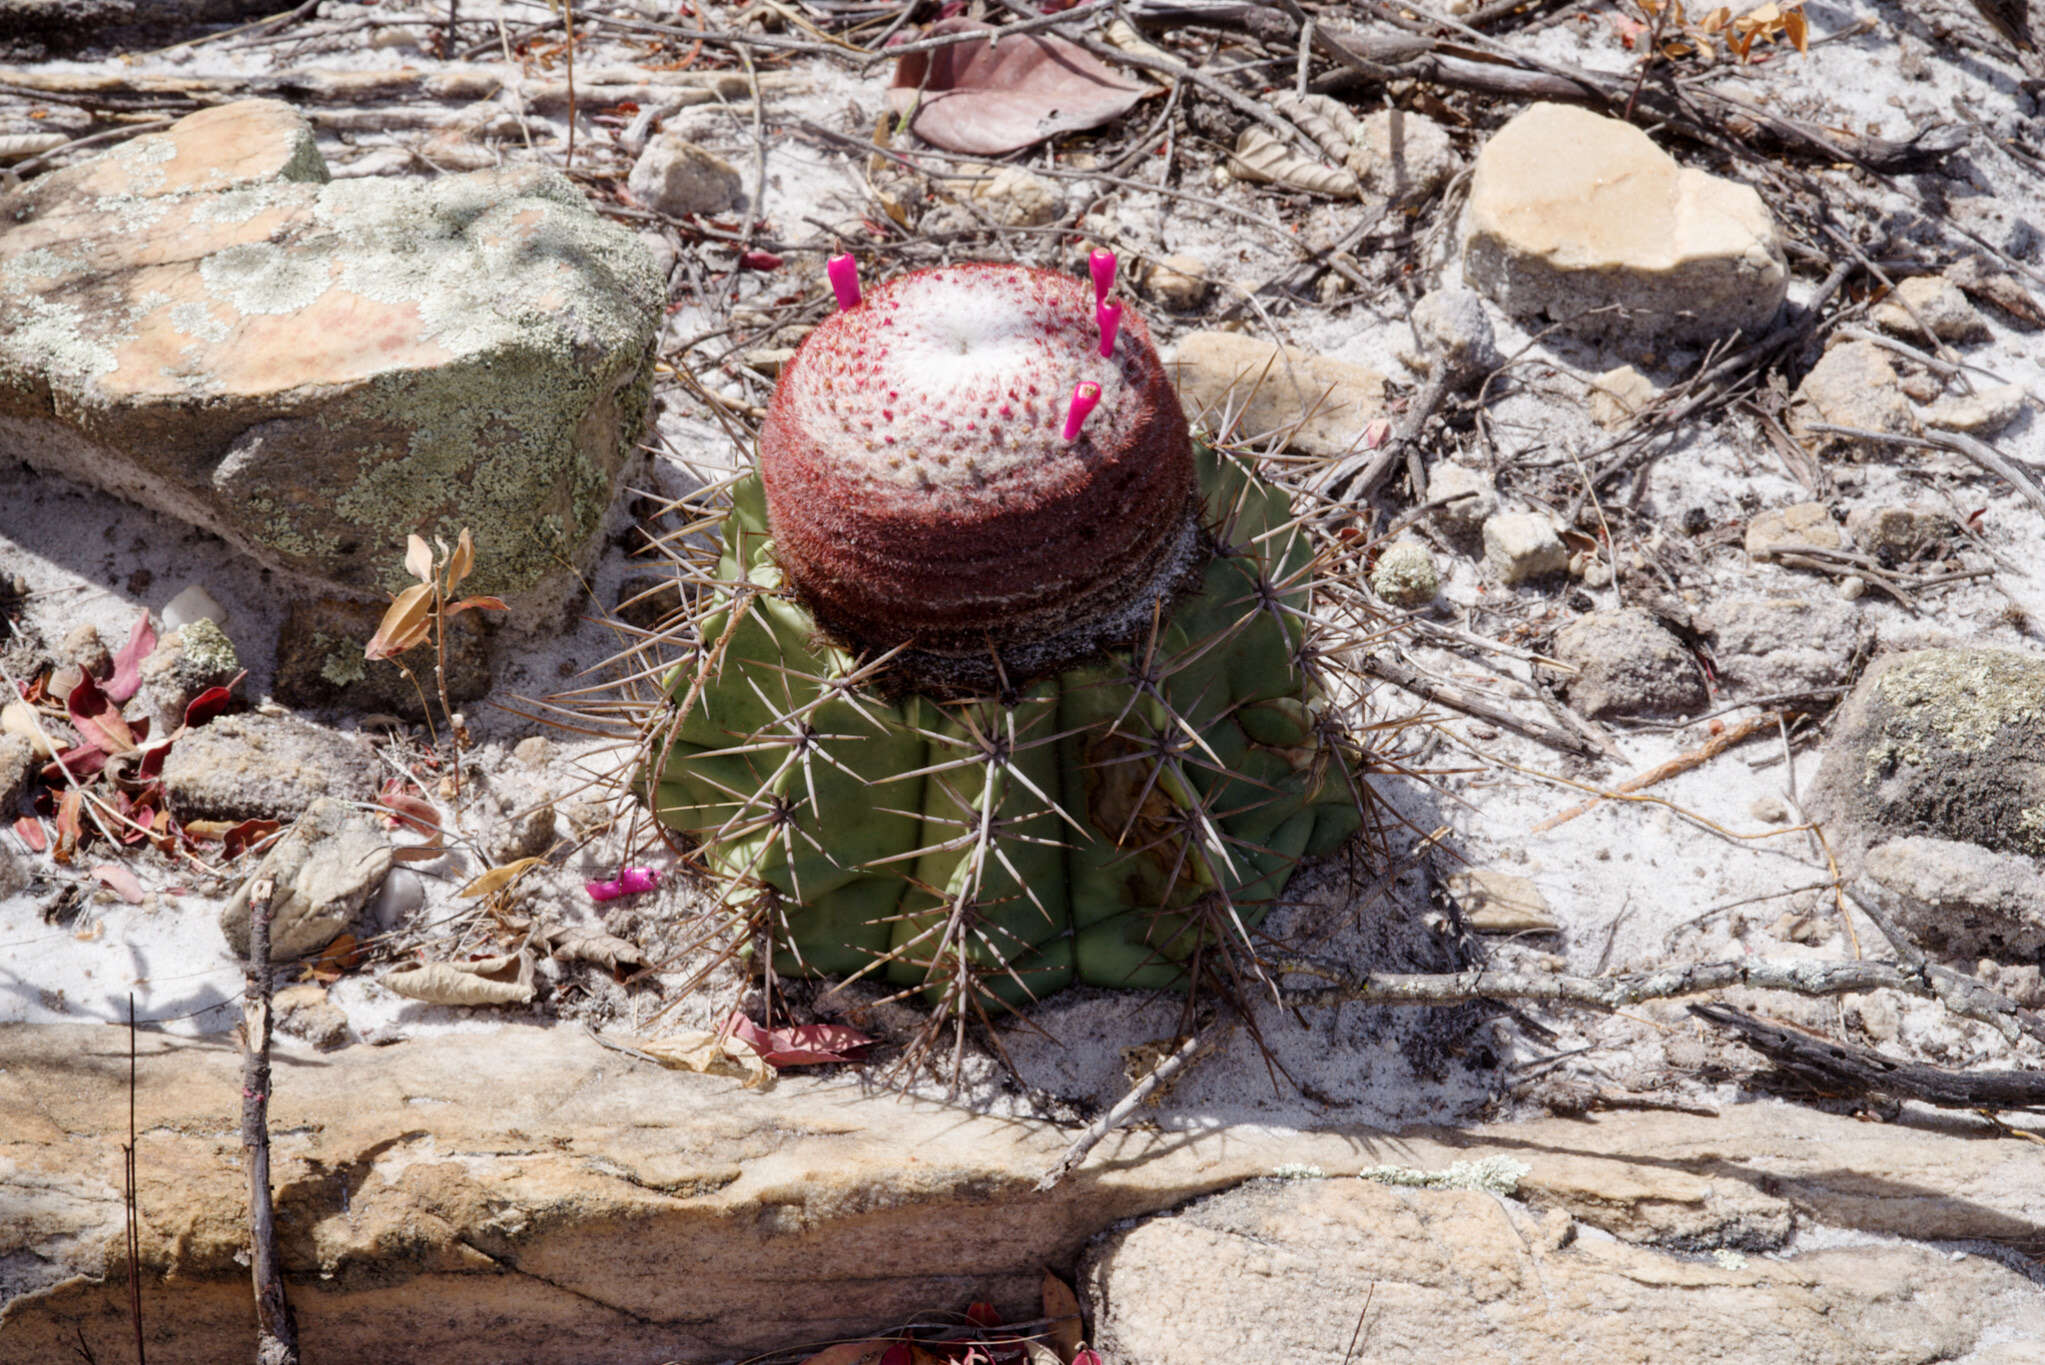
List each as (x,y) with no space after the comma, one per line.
(1980,452)
(1108,1122)
(1850,1072)
(1410,679)
(1662,772)
(276,1329)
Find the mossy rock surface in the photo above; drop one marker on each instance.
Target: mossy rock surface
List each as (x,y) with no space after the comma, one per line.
(1103,824)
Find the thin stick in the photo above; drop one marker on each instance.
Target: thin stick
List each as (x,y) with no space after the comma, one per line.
(133,1212)
(1108,1122)
(1420,685)
(276,1329)
(568,27)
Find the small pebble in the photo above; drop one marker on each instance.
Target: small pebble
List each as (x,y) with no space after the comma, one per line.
(402,893)
(1852,586)
(1772,810)
(193,604)
(535,751)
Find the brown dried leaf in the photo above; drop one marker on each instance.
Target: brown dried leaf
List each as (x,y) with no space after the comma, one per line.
(419,558)
(505,980)
(991,98)
(497,878)
(710,1053)
(405,624)
(1066,1332)
(463,561)
(592,945)
(1259,155)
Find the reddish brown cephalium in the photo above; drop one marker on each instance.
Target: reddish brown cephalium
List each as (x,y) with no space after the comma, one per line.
(917,482)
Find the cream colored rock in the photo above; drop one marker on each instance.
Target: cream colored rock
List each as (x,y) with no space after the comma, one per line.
(1981,413)
(1016,198)
(1617,394)
(528,1196)
(1499,902)
(1854,385)
(1522,546)
(1405,575)
(199,321)
(1318,406)
(1178,282)
(676,177)
(1781,529)
(1938,302)
(1302,1271)
(1572,212)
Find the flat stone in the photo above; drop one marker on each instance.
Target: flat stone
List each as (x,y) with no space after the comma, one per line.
(1780,530)
(199,321)
(1939,302)
(1781,646)
(1981,413)
(1960,900)
(1494,901)
(529,1190)
(1572,212)
(1899,531)
(1464,519)
(1617,394)
(676,177)
(1854,384)
(258,766)
(1943,743)
(1319,406)
(320,662)
(1178,282)
(326,867)
(1300,1270)
(1522,546)
(1627,664)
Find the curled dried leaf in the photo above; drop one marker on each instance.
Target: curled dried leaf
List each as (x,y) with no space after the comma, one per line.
(504,980)
(497,878)
(419,559)
(405,624)
(462,562)
(1259,155)
(710,1053)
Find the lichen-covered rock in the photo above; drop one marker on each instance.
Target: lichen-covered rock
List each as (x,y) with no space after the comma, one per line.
(1405,575)
(1582,218)
(199,321)
(185,663)
(1947,743)
(320,662)
(264,767)
(1627,664)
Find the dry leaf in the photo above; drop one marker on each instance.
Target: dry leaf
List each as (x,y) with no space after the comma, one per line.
(419,559)
(1259,155)
(1332,125)
(463,561)
(990,98)
(120,881)
(591,945)
(1061,1306)
(805,1045)
(710,1053)
(126,679)
(497,878)
(405,624)
(506,980)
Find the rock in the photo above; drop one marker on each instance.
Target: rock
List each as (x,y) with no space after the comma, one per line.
(1770,810)
(1851,588)
(1499,902)
(535,751)
(269,767)
(1896,533)
(185,663)
(1522,546)
(1617,394)
(1781,646)
(676,177)
(1280,1270)
(1321,406)
(82,646)
(1178,283)
(35,29)
(18,760)
(520,828)
(400,896)
(1463,519)
(192,604)
(1014,197)
(1405,575)
(1400,156)
(14,869)
(326,867)
(1941,305)
(305,1012)
(1982,413)
(655,1215)
(1853,385)
(1451,328)
(199,321)
(1572,212)
(1781,529)
(320,662)
(1627,664)
(1959,900)
(1942,743)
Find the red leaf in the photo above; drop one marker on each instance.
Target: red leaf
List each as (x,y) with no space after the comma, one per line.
(807,1045)
(127,674)
(212,701)
(98,718)
(249,834)
(120,881)
(81,762)
(994,98)
(759,260)
(151,766)
(983,1314)
(30,831)
(476,604)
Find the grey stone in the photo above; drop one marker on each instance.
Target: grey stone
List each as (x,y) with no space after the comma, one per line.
(1452,329)
(305,1012)
(1959,899)
(1782,646)
(1464,519)
(185,663)
(676,177)
(1939,303)
(14,873)
(1399,155)
(83,646)
(518,829)
(1854,384)
(326,867)
(1522,546)
(36,29)
(18,759)
(191,604)
(535,751)
(1981,413)
(1627,664)
(401,894)
(1947,743)
(1014,197)
(198,320)
(1178,282)
(320,662)
(269,767)
(1898,532)
(1583,219)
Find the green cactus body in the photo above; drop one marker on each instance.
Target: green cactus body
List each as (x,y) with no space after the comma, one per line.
(1103,825)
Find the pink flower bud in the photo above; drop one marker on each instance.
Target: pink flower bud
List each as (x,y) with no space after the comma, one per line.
(1108,316)
(1101,264)
(844,274)
(631,882)
(1085,396)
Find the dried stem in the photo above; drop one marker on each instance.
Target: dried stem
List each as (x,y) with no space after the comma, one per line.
(276,1329)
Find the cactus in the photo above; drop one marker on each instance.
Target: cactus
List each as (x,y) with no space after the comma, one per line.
(989,692)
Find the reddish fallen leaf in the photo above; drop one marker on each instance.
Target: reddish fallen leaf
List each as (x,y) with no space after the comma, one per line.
(249,834)
(30,831)
(759,260)
(476,604)
(1088,1357)
(991,98)
(120,881)
(212,702)
(151,766)
(98,718)
(804,1045)
(336,960)
(126,679)
(983,1314)
(631,881)
(84,761)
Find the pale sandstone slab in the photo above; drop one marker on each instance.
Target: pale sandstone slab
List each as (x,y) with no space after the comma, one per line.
(1316,405)
(198,321)
(1571,212)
